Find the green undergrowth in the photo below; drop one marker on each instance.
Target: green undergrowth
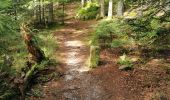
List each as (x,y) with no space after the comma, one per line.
(47,43)
(129,35)
(35,74)
(120,32)
(14,58)
(125,62)
(90,11)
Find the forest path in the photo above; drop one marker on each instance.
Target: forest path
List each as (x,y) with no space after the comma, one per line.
(107,82)
(77,81)
(73,53)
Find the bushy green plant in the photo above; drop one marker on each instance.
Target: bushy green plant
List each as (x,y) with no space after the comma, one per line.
(155,24)
(145,30)
(47,42)
(112,33)
(90,11)
(125,62)
(122,32)
(119,42)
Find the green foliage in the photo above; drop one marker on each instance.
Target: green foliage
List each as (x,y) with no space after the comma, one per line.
(63,1)
(112,33)
(118,43)
(37,92)
(145,31)
(125,62)
(13,51)
(155,24)
(105,29)
(47,42)
(90,11)
(5,4)
(7,69)
(60,14)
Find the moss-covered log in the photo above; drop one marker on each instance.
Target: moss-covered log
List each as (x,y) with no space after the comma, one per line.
(30,76)
(94,56)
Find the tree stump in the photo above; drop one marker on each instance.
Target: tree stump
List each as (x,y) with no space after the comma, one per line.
(37,54)
(94,56)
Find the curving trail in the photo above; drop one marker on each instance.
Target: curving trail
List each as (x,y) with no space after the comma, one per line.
(78,82)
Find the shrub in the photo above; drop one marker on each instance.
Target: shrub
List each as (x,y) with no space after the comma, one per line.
(112,33)
(118,43)
(90,11)
(47,42)
(155,24)
(125,62)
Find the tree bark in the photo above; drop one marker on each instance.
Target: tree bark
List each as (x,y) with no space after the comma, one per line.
(51,13)
(120,7)
(82,3)
(39,14)
(37,54)
(36,15)
(63,8)
(43,13)
(102,8)
(110,9)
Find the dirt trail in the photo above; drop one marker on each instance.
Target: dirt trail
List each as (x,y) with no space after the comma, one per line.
(104,83)
(78,81)
(73,53)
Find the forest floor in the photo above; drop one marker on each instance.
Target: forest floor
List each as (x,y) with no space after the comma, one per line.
(106,82)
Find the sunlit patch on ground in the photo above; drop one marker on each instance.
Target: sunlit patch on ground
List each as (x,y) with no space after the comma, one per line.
(75,43)
(71,59)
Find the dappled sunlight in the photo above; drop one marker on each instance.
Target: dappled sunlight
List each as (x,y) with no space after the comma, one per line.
(79,31)
(67,30)
(84,69)
(72,59)
(75,43)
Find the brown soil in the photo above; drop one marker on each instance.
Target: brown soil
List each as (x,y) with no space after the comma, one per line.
(147,81)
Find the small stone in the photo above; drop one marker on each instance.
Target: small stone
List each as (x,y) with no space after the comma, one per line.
(125,67)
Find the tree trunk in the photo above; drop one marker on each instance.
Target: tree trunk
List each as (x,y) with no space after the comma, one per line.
(63,8)
(82,3)
(102,9)
(43,13)
(37,54)
(39,14)
(110,9)
(51,13)
(14,5)
(120,8)
(36,15)
(94,56)
(89,1)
